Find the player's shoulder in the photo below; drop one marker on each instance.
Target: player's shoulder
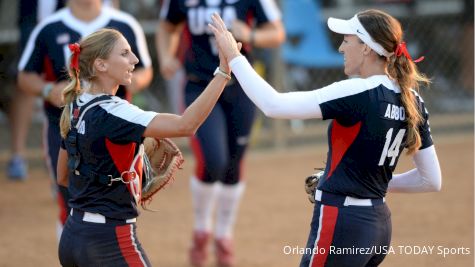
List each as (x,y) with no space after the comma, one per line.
(355,86)
(54,18)
(363,84)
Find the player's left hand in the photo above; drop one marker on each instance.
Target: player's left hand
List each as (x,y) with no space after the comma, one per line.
(228,46)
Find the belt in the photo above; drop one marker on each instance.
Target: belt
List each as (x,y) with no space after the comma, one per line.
(98,218)
(341,200)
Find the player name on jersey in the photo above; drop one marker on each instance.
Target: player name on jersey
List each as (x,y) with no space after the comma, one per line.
(395,112)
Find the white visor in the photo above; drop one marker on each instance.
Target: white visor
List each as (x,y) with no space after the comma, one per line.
(353,26)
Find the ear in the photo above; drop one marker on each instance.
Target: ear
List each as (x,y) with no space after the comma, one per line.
(366,50)
(100,65)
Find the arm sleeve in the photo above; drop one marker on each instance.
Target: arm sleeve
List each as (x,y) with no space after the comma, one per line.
(426,177)
(292,105)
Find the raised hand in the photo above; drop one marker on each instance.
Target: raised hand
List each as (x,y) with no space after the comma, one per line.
(227,45)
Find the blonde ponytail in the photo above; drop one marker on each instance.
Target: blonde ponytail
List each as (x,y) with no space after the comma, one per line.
(70,93)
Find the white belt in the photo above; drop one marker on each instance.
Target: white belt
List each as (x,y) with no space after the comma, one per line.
(349,201)
(99,218)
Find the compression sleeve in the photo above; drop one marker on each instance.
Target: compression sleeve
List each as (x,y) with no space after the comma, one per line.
(291,105)
(426,177)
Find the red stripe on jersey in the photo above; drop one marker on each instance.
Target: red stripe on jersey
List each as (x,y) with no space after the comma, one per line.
(122,155)
(328,217)
(49,70)
(341,139)
(200,162)
(127,245)
(63,210)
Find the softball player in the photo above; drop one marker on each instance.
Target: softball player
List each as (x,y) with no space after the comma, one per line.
(220,143)
(374,117)
(42,65)
(100,156)
(29,14)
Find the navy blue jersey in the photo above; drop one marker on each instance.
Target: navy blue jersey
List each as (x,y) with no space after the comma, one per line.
(201,60)
(47,49)
(31,12)
(108,139)
(367,134)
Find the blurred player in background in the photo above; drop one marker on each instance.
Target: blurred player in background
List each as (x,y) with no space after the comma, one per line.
(220,143)
(30,13)
(43,66)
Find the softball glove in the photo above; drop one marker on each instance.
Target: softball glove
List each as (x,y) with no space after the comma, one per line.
(161,161)
(311,184)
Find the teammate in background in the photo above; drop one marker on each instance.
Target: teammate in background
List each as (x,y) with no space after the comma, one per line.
(374,118)
(101,230)
(42,66)
(29,14)
(220,143)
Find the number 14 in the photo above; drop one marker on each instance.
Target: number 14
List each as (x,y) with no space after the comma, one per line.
(391,151)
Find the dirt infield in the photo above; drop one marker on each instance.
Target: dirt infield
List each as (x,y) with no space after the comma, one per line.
(274,213)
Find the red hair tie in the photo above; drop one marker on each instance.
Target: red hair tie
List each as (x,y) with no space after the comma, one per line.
(402,49)
(75,49)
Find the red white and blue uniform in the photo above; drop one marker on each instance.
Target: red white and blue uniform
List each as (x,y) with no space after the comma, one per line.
(47,53)
(220,142)
(366,136)
(101,230)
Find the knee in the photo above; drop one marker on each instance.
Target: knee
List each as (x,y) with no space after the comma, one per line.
(216,168)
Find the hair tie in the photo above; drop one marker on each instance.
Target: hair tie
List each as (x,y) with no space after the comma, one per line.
(75,49)
(401,49)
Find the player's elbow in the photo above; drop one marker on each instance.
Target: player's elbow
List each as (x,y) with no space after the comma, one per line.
(437,185)
(187,129)
(434,184)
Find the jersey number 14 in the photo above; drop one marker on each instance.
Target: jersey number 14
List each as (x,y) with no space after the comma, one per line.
(391,150)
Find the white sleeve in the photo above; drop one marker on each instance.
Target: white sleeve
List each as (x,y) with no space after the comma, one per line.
(426,177)
(292,105)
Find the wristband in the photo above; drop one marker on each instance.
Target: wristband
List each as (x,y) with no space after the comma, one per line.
(46,90)
(222,73)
